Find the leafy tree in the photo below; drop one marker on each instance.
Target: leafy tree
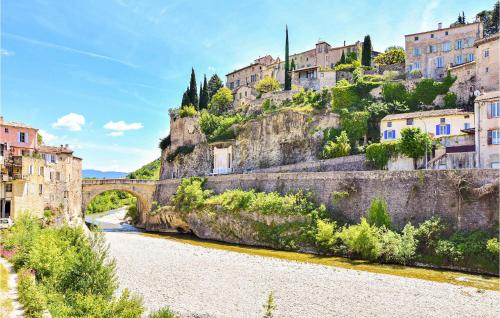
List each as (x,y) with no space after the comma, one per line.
(342,58)
(340,148)
(39,139)
(214,84)
(288,77)
(378,154)
(221,101)
(490,20)
(193,91)
(450,100)
(366,53)
(355,124)
(378,214)
(393,55)
(267,84)
(203,94)
(413,143)
(394,92)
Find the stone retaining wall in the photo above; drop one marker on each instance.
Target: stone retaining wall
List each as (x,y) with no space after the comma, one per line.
(412,196)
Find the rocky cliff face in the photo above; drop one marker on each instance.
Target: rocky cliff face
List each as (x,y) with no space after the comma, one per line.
(282,138)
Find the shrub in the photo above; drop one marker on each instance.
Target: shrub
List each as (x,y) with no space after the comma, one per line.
(340,148)
(269,106)
(378,214)
(269,306)
(414,143)
(181,150)
(449,251)
(233,200)
(218,128)
(221,101)
(326,235)
(362,240)
(355,124)
(394,92)
(379,154)
(165,143)
(450,100)
(30,295)
(162,313)
(344,95)
(132,213)
(416,73)
(398,248)
(187,111)
(190,194)
(267,84)
(392,55)
(493,246)
(428,233)
(317,100)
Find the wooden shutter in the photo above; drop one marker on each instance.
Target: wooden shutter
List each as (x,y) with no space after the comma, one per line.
(490,137)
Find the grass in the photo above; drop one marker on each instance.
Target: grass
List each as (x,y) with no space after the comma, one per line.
(5,304)
(6,308)
(4,279)
(441,276)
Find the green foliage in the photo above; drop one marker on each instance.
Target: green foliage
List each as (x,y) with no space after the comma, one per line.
(193,91)
(317,100)
(165,143)
(39,139)
(362,240)
(413,142)
(366,53)
(181,150)
(338,196)
(269,106)
(378,214)
(490,19)
(163,313)
(217,128)
(204,95)
(288,75)
(132,213)
(340,148)
(187,111)
(110,200)
(344,95)
(150,171)
(355,124)
(398,248)
(190,194)
(214,84)
(428,233)
(392,55)
(329,134)
(221,101)
(269,306)
(379,154)
(267,84)
(493,246)
(233,200)
(30,295)
(450,100)
(394,92)
(427,90)
(326,236)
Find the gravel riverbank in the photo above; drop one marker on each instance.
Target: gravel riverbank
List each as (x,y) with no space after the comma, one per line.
(201,282)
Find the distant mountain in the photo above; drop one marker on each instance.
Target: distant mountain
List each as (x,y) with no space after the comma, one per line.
(91,173)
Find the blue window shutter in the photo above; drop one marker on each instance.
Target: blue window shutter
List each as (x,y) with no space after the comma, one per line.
(385,134)
(448,129)
(437,130)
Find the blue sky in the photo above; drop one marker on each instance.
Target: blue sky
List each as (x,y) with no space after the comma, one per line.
(100,75)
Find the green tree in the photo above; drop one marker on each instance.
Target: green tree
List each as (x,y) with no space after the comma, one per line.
(193,91)
(490,20)
(185,98)
(39,139)
(214,84)
(366,53)
(355,124)
(292,65)
(288,77)
(342,58)
(340,148)
(413,143)
(393,55)
(267,84)
(203,94)
(378,214)
(221,101)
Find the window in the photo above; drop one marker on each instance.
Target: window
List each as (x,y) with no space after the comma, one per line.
(31,169)
(417,65)
(416,38)
(40,171)
(470,42)
(486,70)
(494,110)
(432,35)
(231,85)
(458,59)
(40,189)
(253,78)
(443,129)
(409,121)
(446,47)
(389,134)
(51,175)
(237,83)
(446,33)
(486,53)
(459,44)
(432,48)
(66,194)
(442,120)
(8,187)
(466,125)
(389,124)
(470,57)
(439,62)
(416,51)
(58,176)
(494,137)
(6,130)
(22,137)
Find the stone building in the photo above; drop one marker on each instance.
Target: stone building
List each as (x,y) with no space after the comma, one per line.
(43,178)
(434,52)
(249,75)
(487,130)
(17,138)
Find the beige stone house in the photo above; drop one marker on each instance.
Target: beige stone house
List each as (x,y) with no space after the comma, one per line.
(249,75)
(487,130)
(434,52)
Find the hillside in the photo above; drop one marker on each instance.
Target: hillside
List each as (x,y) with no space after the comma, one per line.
(91,173)
(150,171)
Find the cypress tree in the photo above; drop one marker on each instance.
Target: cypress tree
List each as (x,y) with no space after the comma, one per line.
(193,91)
(288,78)
(214,84)
(185,98)
(463,17)
(366,53)
(292,65)
(198,107)
(342,58)
(204,94)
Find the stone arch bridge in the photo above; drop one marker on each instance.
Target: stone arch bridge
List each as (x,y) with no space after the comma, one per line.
(143,190)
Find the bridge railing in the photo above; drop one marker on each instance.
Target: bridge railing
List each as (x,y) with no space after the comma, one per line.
(115,181)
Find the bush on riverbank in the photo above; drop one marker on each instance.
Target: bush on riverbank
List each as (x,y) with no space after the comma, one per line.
(298,224)
(110,200)
(65,271)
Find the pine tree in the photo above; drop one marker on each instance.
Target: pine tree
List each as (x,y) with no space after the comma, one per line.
(366,53)
(204,94)
(342,58)
(214,84)
(193,91)
(185,98)
(463,17)
(288,78)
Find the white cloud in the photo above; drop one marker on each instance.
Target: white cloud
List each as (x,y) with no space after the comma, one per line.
(122,126)
(71,121)
(47,137)
(116,133)
(4,52)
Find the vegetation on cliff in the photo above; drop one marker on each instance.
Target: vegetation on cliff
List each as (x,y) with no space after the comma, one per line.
(297,223)
(150,171)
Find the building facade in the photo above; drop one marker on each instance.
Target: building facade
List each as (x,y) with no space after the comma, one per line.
(434,52)
(17,139)
(488,63)
(487,130)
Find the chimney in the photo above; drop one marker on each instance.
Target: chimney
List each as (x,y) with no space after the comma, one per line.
(440,25)
(344,42)
(66,146)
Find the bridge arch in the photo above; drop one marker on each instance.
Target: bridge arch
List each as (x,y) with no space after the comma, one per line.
(143,190)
